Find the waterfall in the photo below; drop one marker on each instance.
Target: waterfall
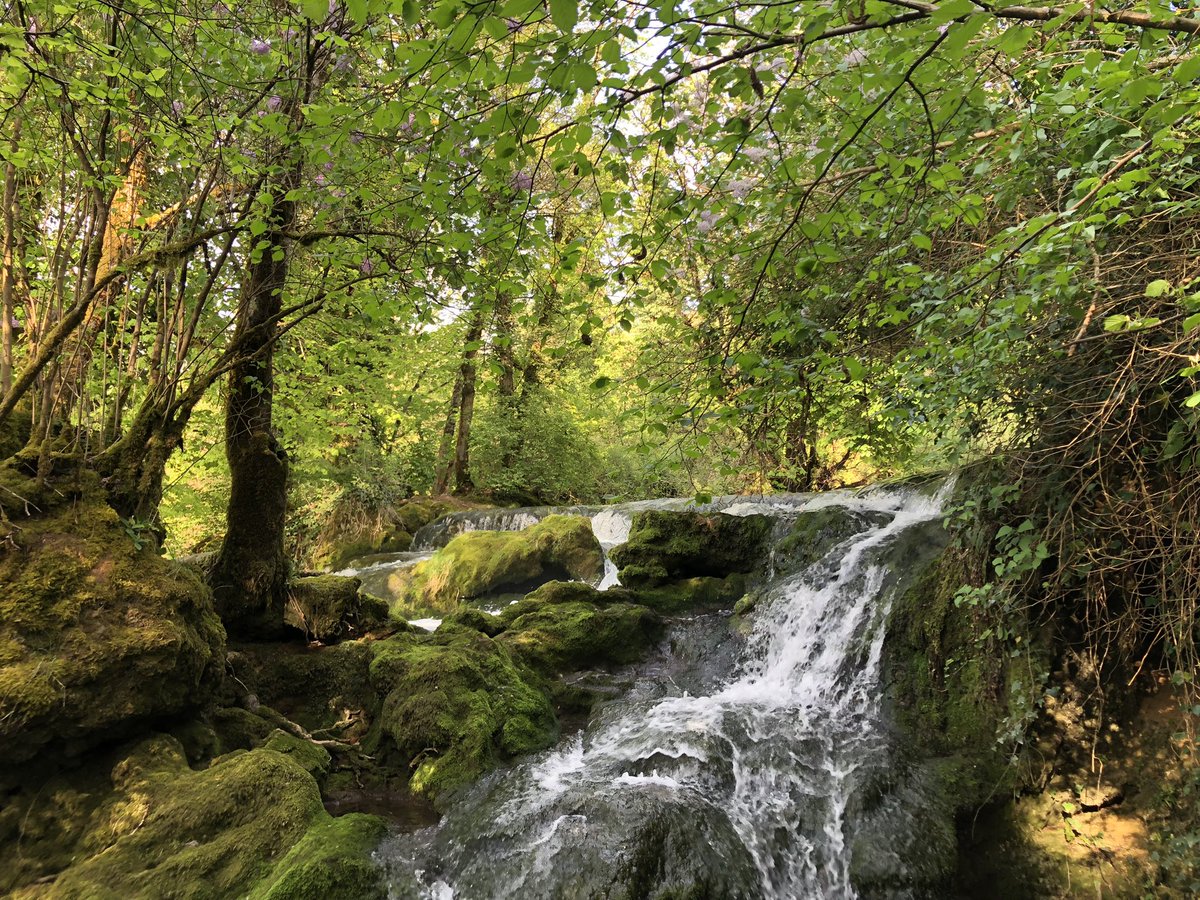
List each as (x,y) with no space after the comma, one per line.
(749,781)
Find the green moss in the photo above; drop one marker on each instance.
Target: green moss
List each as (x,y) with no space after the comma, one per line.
(479,563)
(564,636)
(456,703)
(250,823)
(97,638)
(14,431)
(948,685)
(312,758)
(668,546)
(331,862)
(328,607)
(687,593)
(470,617)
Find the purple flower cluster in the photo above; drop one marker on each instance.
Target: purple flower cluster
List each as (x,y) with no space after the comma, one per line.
(259,47)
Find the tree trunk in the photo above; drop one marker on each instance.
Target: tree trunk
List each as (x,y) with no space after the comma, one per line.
(443,468)
(8,275)
(502,346)
(249,577)
(466,408)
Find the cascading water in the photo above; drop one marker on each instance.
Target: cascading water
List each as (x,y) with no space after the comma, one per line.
(748,779)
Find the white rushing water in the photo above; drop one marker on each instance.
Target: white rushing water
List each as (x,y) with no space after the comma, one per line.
(765,765)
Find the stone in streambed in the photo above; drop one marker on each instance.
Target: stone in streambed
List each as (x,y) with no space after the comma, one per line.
(329,607)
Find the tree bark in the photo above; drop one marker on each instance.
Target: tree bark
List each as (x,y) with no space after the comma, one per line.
(466,408)
(444,465)
(8,275)
(249,576)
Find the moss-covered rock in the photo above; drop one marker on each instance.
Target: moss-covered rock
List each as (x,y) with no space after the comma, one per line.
(481,563)
(312,758)
(98,637)
(251,824)
(948,688)
(456,702)
(328,607)
(559,637)
(669,546)
(690,593)
(472,617)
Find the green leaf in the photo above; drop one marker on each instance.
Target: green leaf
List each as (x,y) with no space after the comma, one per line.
(411,12)
(1193,401)
(1191,323)
(316,10)
(1188,70)
(950,10)
(564,14)
(1158,288)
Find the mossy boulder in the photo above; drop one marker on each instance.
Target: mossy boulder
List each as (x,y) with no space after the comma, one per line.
(312,758)
(250,825)
(98,637)
(329,607)
(455,703)
(692,593)
(559,637)
(482,563)
(668,546)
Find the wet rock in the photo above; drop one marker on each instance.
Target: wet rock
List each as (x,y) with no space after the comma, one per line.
(693,593)
(668,546)
(815,532)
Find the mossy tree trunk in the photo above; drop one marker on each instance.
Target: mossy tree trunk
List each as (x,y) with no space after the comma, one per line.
(8,273)
(462,404)
(249,576)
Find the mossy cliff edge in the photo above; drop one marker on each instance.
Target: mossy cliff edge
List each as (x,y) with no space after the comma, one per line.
(98,638)
(1039,776)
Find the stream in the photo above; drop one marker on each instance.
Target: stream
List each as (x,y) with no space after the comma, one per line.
(749,759)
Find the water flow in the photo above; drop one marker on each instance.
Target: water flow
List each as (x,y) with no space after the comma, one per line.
(748,786)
